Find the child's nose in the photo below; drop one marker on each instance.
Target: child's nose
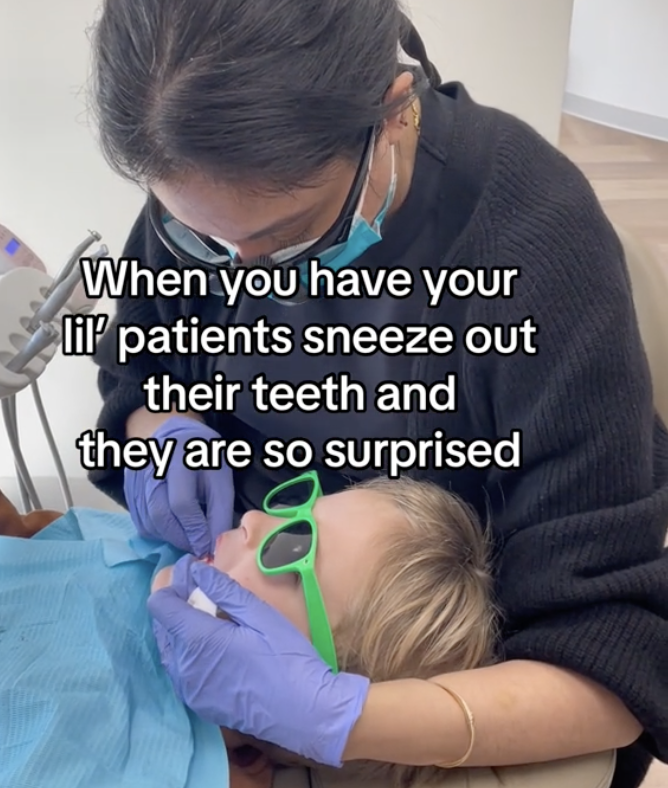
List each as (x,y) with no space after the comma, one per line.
(256,525)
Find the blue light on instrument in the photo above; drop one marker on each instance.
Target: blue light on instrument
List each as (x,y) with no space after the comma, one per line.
(12,247)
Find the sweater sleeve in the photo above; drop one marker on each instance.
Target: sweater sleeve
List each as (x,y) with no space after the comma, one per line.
(120,385)
(582,572)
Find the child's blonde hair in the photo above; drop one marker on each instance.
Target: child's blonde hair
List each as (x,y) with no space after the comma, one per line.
(426,607)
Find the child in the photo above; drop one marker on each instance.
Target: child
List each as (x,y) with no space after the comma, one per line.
(391,617)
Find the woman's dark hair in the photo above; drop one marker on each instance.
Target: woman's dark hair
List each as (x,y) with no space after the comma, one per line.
(252,91)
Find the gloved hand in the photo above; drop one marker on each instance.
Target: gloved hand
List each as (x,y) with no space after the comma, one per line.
(256,673)
(189,509)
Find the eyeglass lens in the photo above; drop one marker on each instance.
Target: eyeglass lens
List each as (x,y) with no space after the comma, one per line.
(184,238)
(288,545)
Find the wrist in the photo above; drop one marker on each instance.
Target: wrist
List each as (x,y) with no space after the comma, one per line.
(410,722)
(349,696)
(365,740)
(175,423)
(144,424)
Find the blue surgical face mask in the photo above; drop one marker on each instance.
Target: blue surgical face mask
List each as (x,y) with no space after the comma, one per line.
(361,237)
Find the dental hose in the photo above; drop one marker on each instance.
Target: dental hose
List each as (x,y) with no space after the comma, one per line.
(39,341)
(25,481)
(60,469)
(29,497)
(23,490)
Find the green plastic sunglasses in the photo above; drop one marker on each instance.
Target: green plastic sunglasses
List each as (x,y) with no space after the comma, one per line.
(292,546)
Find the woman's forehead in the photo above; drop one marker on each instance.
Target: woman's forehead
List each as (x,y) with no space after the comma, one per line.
(218,208)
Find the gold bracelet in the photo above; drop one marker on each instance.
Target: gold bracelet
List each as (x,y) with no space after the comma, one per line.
(470,721)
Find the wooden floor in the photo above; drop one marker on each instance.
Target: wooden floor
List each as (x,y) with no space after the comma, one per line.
(629,175)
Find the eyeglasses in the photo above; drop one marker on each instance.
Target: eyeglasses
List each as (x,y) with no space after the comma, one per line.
(194,249)
(292,546)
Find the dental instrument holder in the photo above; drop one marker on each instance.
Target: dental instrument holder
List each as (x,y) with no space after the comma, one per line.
(76,255)
(33,305)
(26,307)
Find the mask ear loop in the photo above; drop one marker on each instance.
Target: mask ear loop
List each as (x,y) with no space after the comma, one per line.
(391,186)
(367,179)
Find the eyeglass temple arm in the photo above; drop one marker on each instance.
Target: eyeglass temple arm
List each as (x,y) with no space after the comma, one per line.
(321,631)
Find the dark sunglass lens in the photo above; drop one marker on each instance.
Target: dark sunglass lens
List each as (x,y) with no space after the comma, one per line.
(292,495)
(287,546)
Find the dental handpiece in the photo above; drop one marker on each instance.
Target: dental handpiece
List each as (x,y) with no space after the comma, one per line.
(76,255)
(44,336)
(59,297)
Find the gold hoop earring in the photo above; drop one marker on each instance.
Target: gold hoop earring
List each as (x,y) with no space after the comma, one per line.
(416,118)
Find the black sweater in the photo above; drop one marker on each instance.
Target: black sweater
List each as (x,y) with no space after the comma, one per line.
(582,576)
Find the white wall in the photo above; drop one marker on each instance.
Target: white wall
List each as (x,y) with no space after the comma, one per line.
(619,59)
(511,54)
(54,184)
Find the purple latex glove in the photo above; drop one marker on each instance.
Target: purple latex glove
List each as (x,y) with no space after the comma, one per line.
(189,509)
(256,673)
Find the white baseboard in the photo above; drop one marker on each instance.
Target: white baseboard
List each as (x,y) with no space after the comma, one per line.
(83,493)
(629,120)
